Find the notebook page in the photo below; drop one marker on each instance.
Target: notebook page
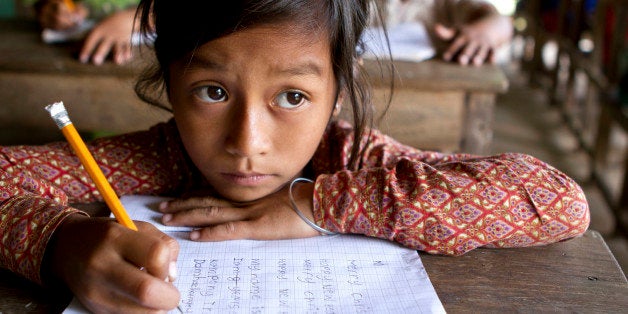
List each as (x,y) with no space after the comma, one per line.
(325,274)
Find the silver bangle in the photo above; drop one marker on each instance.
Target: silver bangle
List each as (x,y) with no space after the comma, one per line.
(296,209)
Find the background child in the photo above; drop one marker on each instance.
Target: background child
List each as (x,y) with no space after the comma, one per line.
(463,31)
(255,88)
(110,36)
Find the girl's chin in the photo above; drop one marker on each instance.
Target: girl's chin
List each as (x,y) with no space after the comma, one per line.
(246,195)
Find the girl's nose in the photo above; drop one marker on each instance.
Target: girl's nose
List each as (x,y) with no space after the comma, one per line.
(248,135)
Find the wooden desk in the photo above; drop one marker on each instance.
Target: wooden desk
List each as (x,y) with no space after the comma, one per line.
(576,276)
(436,105)
(34,74)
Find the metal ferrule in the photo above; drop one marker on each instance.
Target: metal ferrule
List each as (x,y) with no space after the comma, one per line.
(59,114)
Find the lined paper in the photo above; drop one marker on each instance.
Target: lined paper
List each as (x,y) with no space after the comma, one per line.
(324,274)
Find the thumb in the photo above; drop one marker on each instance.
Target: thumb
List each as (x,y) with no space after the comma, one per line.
(443,32)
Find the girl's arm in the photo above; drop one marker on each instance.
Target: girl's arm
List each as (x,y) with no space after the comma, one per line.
(38,182)
(450,204)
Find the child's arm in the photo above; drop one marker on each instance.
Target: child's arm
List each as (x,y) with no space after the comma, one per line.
(450,204)
(49,242)
(38,182)
(501,201)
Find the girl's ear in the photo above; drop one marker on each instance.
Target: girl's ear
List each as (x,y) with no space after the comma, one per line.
(338,105)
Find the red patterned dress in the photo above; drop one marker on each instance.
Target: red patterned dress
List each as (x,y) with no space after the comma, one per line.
(438,203)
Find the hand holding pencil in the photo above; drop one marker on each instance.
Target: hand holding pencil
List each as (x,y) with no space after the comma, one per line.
(104,263)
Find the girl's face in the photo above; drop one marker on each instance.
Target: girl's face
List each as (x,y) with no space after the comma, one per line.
(251,107)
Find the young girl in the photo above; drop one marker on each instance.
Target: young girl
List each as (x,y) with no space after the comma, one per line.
(111,34)
(255,88)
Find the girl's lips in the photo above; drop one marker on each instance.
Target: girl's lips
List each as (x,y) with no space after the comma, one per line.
(248,179)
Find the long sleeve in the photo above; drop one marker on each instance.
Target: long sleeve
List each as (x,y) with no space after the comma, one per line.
(446,204)
(37,184)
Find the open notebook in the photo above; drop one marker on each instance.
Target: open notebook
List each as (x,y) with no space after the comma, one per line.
(325,274)
(408,42)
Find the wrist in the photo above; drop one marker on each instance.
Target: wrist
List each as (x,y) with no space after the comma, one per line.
(54,257)
(301,192)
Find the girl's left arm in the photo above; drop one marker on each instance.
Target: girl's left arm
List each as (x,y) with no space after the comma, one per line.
(450,204)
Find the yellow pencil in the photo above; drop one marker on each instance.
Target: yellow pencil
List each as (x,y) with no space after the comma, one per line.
(70,4)
(61,118)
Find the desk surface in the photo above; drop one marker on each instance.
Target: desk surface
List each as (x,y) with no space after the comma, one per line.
(22,50)
(579,275)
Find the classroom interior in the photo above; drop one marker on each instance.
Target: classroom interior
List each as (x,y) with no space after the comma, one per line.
(553,108)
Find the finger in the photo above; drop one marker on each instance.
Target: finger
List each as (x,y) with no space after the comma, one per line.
(232,230)
(258,229)
(200,217)
(481,55)
(102,50)
(150,249)
(177,205)
(174,255)
(443,32)
(142,288)
(122,53)
(467,53)
(89,46)
(454,48)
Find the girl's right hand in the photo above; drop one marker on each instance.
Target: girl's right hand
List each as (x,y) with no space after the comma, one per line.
(55,14)
(111,268)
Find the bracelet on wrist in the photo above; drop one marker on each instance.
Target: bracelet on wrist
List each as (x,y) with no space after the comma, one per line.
(296,209)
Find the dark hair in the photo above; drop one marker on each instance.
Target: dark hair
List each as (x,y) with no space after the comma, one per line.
(180,27)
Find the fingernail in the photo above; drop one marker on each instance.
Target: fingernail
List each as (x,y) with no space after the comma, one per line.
(166,218)
(194,235)
(163,205)
(172,271)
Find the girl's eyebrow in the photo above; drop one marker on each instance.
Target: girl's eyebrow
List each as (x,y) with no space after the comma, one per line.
(202,62)
(302,69)
(305,68)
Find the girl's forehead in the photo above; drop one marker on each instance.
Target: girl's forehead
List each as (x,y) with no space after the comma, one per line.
(279,39)
(273,47)
(287,32)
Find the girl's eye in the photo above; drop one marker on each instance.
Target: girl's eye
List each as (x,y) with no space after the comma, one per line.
(290,99)
(211,94)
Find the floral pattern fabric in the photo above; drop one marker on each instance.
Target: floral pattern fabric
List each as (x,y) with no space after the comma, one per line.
(438,203)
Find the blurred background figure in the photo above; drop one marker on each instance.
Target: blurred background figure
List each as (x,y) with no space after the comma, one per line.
(463,31)
(111,35)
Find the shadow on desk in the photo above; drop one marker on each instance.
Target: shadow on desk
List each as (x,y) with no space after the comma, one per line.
(576,276)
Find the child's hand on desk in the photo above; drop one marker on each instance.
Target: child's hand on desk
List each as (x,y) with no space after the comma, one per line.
(475,43)
(111,36)
(100,260)
(268,218)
